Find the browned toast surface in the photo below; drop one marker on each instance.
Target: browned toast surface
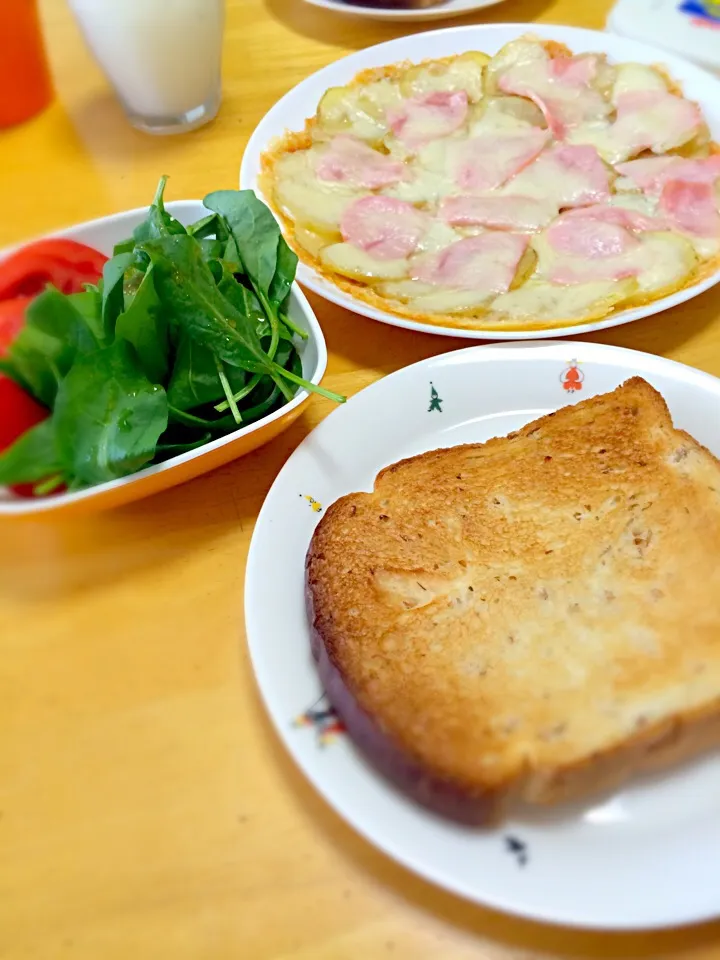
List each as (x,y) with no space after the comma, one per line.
(535,615)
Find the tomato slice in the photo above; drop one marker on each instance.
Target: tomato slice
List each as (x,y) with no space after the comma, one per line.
(64,263)
(12,318)
(18,412)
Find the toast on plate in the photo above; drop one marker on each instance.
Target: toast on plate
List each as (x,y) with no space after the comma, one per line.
(536,617)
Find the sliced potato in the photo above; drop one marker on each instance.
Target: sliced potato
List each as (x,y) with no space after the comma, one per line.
(525,268)
(312,241)
(666,261)
(438,236)
(463,73)
(426,186)
(450,300)
(350,261)
(404,289)
(525,50)
(505,114)
(539,301)
(310,206)
(634,78)
(359,110)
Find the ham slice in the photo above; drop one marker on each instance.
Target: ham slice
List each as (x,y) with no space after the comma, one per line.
(624,217)
(486,162)
(589,238)
(691,206)
(524,214)
(384,227)
(486,263)
(569,176)
(653,120)
(581,249)
(650,173)
(350,161)
(578,249)
(561,88)
(427,118)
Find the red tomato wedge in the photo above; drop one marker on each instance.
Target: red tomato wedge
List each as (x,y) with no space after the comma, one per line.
(12,318)
(64,263)
(18,412)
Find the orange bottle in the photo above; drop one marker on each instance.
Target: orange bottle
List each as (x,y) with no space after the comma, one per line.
(25,87)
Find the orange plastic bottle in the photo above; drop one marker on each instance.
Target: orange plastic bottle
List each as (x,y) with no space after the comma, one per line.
(25,87)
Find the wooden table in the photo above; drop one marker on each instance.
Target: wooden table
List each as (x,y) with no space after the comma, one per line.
(147,810)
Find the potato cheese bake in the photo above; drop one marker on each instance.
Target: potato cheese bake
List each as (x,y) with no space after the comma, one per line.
(531,189)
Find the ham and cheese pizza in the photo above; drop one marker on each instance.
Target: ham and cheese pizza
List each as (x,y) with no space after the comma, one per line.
(526,190)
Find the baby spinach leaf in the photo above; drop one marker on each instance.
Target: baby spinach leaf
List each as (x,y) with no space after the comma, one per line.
(143,325)
(187,289)
(166,450)
(194,379)
(210,226)
(89,305)
(108,417)
(212,249)
(254,230)
(112,292)
(284,275)
(46,347)
(34,456)
(125,246)
(158,222)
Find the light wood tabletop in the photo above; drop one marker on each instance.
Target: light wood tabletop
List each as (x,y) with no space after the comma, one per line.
(147,810)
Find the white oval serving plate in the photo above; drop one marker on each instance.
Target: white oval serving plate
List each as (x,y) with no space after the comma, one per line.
(443,11)
(647,856)
(103,234)
(290,112)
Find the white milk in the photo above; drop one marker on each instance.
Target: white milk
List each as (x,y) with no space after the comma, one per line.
(162,56)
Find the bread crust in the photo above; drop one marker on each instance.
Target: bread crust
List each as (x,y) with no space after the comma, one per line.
(293,141)
(390,685)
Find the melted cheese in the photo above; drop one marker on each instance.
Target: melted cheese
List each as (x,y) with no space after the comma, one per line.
(505,114)
(352,262)
(524,52)
(541,301)
(464,73)
(310,240)
(360,111)
(635,78)
(450,300)
(666,259)
(405,289)
(300,195)
(659,261)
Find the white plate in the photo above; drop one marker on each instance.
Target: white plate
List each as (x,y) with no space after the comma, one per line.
(290,112)
(648,856)
(444,11)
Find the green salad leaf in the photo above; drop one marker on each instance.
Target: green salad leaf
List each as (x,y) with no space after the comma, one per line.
(185,338)
(108,416)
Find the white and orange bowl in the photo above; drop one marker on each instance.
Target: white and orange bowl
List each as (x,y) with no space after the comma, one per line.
(103,234)
(290,111)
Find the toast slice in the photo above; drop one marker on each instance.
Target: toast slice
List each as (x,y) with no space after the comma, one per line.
(536,617)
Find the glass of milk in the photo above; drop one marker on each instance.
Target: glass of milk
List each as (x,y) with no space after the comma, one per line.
(163,57)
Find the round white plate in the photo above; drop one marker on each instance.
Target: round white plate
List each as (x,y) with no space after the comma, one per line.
(444,11)
(290,112)
(648,856)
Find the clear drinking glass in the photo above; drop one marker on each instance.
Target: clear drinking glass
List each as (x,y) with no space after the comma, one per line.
(163,57)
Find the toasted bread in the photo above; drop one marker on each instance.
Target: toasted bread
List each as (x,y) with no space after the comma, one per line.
(536,617)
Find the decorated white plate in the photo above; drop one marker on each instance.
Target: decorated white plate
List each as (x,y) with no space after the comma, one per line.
(290,112)
(646,856)
(443,11)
